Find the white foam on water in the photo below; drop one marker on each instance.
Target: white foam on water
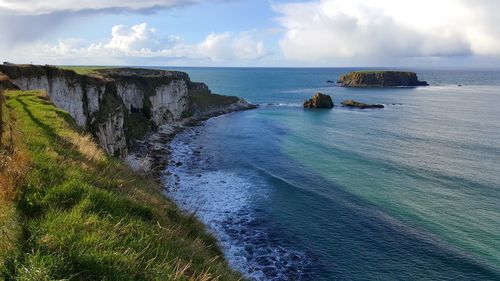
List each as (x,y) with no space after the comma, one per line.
(282,104)
(223,200)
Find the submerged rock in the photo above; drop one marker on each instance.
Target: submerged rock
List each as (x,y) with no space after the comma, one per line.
(360,105)
(319,100)
(362,79)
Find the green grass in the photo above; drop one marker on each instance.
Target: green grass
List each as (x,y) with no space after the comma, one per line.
(378,71)
(370,71)
(205,101)
(83,70)
(85,216)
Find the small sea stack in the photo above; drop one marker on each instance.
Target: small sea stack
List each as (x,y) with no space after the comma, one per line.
(319,100)
(360,105)
(380,78)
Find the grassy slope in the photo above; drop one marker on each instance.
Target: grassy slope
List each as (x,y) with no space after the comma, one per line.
(13,165)
(88,217)
(205,101)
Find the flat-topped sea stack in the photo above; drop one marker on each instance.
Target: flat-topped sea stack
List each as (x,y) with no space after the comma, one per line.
(360,105)
(380,78)
(319,100)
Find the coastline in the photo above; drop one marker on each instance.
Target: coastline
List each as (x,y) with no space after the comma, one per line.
(223,198)
(103,200)
(151,154)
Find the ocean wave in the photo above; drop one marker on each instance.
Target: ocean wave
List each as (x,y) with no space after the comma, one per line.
(308,90)
(282,104)
(223,200)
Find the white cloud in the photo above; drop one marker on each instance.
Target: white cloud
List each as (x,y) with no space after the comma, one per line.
(37,7)
(229,46)
(339,29)
(142,42)
(24,21)
(137,37)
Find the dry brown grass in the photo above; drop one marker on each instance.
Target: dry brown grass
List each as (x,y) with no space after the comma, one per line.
(1,116)
(86,146)
(14,162)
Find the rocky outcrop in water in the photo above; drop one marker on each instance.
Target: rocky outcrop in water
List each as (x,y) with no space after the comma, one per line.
(120,105)
(319,100)
(360,105)
(361,79)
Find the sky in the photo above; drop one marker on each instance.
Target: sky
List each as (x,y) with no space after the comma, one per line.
(255,33)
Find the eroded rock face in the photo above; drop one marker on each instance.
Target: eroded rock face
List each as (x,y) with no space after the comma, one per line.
(6,84)
(111,135)
(360,105)
(380,79)
(169,102)
(131,95)
(159,94)
(319,100)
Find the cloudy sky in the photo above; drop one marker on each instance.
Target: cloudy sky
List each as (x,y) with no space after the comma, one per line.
(424,33)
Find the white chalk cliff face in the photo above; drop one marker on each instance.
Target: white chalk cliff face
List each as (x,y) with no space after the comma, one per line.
(130,94)
(64,93)
(81,96)
(111,136)
(169,102)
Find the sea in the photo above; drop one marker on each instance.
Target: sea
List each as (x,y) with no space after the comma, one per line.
(407,192)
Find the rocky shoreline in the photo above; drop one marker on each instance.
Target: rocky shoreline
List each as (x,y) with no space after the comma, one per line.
(151,154)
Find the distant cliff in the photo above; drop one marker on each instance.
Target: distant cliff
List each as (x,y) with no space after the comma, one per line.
(119,105)
(380,79)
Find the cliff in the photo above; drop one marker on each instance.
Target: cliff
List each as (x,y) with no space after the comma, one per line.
(380,79)
(6,84)
(68,211)
(120,105)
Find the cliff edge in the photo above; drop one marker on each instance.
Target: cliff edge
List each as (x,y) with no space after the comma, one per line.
(120,105)
(68,211)
(362,79)
(6,84)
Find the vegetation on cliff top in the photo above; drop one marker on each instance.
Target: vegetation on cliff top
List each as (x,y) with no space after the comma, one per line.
(84,70)
(204,101)
(377,71)
(68,211)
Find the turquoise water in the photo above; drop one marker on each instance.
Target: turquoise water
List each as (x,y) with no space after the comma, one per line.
(408,192)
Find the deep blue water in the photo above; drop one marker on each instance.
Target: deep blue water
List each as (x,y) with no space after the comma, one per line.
(408,192)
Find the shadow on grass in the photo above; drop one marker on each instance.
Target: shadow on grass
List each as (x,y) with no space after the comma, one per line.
(63,146)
